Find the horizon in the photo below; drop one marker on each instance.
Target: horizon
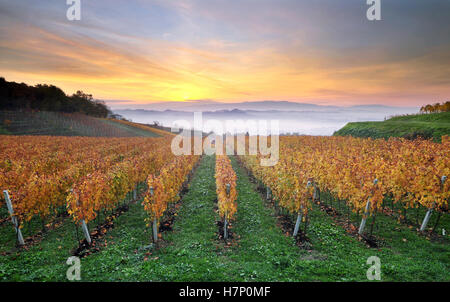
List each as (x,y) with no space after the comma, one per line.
(148,106)
(146,52)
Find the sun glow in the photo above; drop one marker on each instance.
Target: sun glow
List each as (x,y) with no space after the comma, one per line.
(217,56)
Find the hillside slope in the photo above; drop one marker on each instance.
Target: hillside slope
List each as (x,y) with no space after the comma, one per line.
(430,126)
(64,124)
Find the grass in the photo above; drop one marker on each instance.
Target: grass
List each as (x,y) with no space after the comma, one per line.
(430,126)
(42,262)
(259,250)
(132,130)
(405,254)
(443,117)
(46,259)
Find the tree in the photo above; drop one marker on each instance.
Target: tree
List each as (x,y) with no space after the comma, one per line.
(15,96)
(436,107)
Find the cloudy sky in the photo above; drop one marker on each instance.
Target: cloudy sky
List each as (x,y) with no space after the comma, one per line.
(322,51)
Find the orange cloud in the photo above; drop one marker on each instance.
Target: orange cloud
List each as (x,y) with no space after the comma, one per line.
(145,70)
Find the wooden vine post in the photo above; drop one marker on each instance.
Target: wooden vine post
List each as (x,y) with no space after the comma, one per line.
(268,193)
(316,194)
(366,214)
(225,222)
(428,214)
(299,216)
(85,229)
(297,223)
(155,222)
(13,218)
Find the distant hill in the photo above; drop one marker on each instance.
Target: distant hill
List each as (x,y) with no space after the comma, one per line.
(66,124)
(293,117)
(207,105)
(429,126)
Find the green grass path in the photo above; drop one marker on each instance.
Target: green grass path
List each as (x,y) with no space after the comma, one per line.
(193,251)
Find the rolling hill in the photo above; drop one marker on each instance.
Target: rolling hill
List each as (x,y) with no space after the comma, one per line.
(65,124)
(430,126)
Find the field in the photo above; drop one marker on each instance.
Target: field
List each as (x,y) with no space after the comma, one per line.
(121,188)
(430,126)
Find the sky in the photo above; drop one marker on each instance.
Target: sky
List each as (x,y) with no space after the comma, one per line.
(324,52)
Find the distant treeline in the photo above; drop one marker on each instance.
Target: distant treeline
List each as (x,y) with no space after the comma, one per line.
(15,96)
(437,107)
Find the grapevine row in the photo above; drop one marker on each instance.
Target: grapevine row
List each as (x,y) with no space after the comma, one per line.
(357,170)
(104,188)
(225,189)
(164,186)
(39,171)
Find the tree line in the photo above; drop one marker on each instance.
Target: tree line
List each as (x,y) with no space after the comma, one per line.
(42,97)
(437,107)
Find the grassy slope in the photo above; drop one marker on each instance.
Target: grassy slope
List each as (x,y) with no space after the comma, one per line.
(133,130)
(52,123)
(261,252)
(433,125)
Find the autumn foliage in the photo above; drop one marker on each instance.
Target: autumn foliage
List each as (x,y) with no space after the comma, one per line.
(83,174)
(165,184)
(408,171)
(104,188)
(437,107)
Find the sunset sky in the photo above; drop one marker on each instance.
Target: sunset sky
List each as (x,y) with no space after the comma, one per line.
(322,52)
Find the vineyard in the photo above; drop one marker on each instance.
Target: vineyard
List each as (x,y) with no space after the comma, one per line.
(85,175)
(360,172)
(146,214)
(69,124)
